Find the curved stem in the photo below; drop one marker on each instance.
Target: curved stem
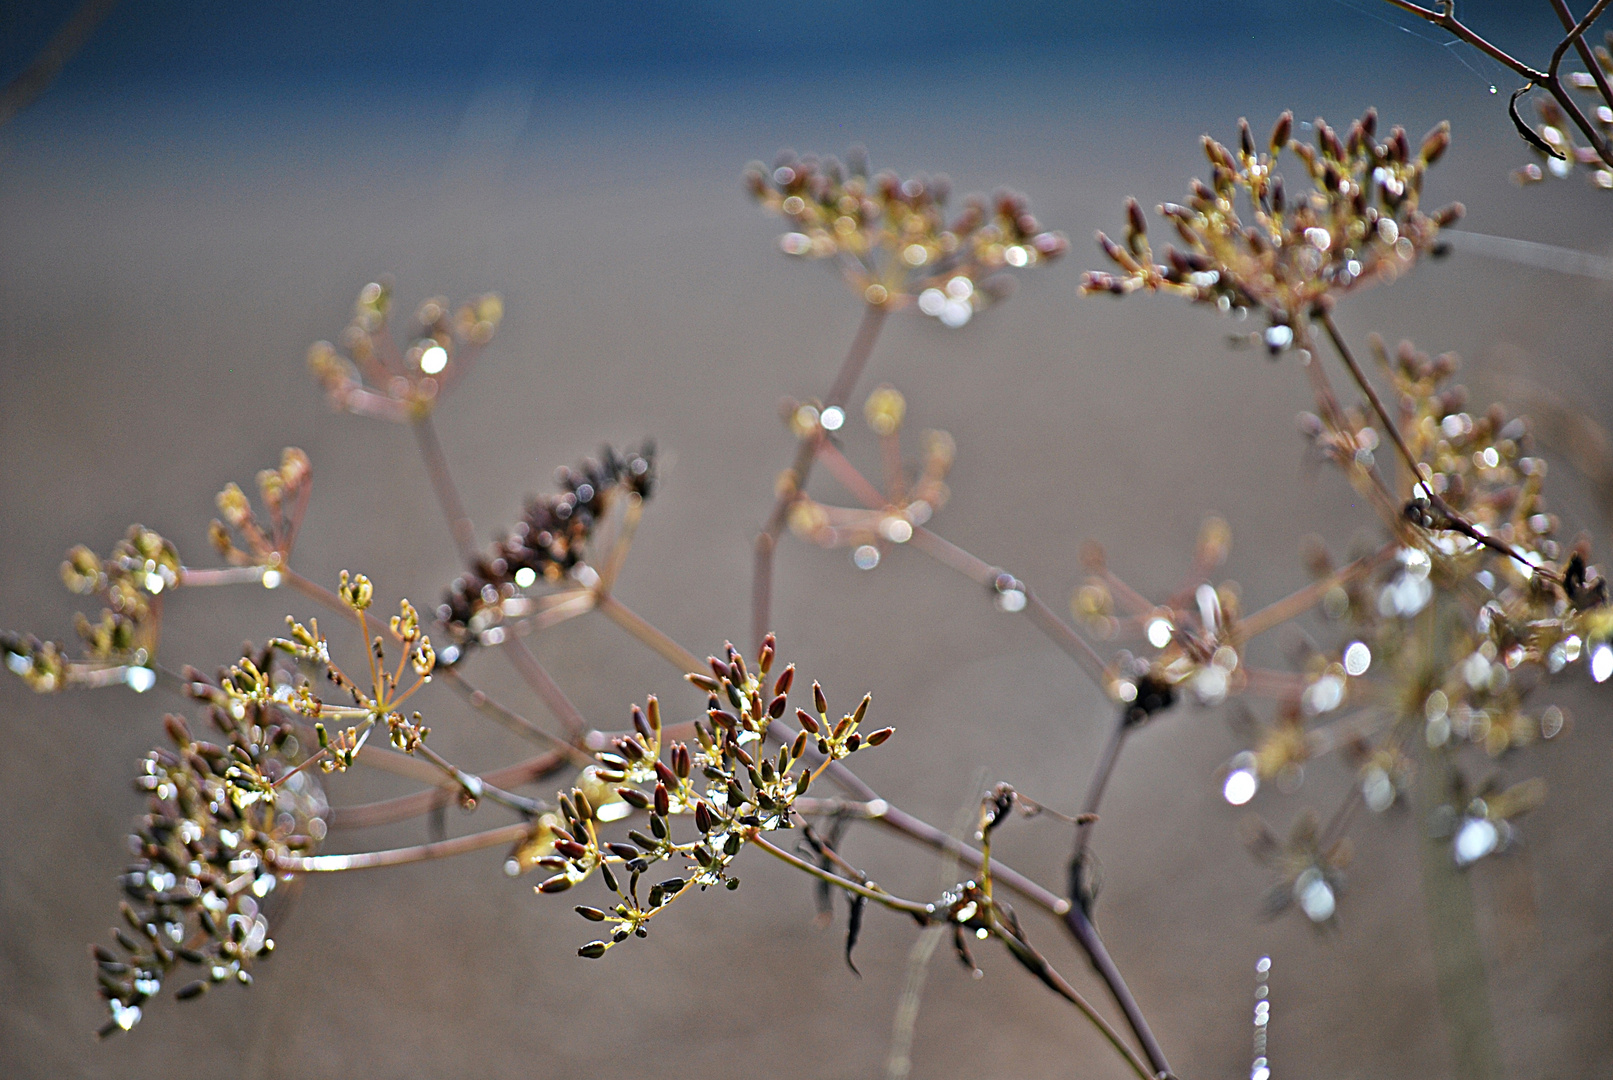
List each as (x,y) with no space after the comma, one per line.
(641,628)
(542,683)
(924,913)
(404,807)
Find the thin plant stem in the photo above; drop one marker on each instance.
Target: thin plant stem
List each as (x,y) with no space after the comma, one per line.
(442,482)
(767,540)
(404,807)
(1094,796)
(511,719)
(1280,611)
(924,913)
(542,683)
(635,624)
(1576,36)
(478,787)
(1445,18)
(191,577)
(1453,519)
(36,78)
(1037,964)
(1040,615)
(370,860)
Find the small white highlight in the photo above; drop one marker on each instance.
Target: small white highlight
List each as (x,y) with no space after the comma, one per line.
(140,679)
(433,360)
(1357,658)
(833,418)
(525,577)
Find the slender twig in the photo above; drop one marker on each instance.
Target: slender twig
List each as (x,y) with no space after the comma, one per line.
(318,593)
(1094,796)
(795,480)
(191,577)
(442,482)
(35,79)
(1451,518)
(542,683)
(1445,18)
(387,811)
(1040,615)
(1280,611)
(1037,964)
(478,787)
(511,719)
(641,628)
(369,860)
(924,913)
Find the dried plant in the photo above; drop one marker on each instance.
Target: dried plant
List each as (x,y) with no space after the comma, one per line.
(1445,632)
(1561,114)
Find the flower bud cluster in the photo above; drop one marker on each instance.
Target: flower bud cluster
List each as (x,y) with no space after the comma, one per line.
(370,372)
(727,785)
(199,888)
(548,543)
(891,236)
(1359,223)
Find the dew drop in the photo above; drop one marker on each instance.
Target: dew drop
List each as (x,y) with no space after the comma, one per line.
(833,418)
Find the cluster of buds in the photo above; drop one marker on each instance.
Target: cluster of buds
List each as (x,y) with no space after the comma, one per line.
(371,373)
(205,855)
(548,544)
(118,645)
(244,539)
(728,784)
(891,237)
(910,497)
(1553,141)
(379,704)
(1360,223)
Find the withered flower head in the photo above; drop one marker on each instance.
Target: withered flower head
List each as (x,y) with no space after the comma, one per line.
(118,645)
(205,853)
(372,373)
(1359,222)
(547,544)
(891,237)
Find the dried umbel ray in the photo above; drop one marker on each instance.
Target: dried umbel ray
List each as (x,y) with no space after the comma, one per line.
(891,237)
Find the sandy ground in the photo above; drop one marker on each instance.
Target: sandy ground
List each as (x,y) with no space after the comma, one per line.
(165,267)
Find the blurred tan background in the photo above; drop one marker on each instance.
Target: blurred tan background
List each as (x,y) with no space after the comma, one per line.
(165,260)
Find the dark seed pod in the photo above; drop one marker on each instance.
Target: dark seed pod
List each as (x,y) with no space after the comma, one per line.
(634,797)
(704,682)
(640,724)
(625,852)
(799,746)
(776,707)
(593,950)
(878,737)
(191,990)
(862,709)
(643,841)
(731,884)
(652,708)
(663,803)
(702,816)
(658,826)
(671,885)
(818,700)
(786,678)
(853,741)
(592,914)
(557,884)
(609,877)
(806,721)
(666,775)
(732,845)
(681,762)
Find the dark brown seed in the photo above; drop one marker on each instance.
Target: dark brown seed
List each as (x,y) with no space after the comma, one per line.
(818,699)
(663,801)
(191,990)
(557,884)
(592,914)
(862,709)
(776,707)
(593,950)
(878,737)
(634,797)
(642,841)
(806,721)
(786,677)
(799,747)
